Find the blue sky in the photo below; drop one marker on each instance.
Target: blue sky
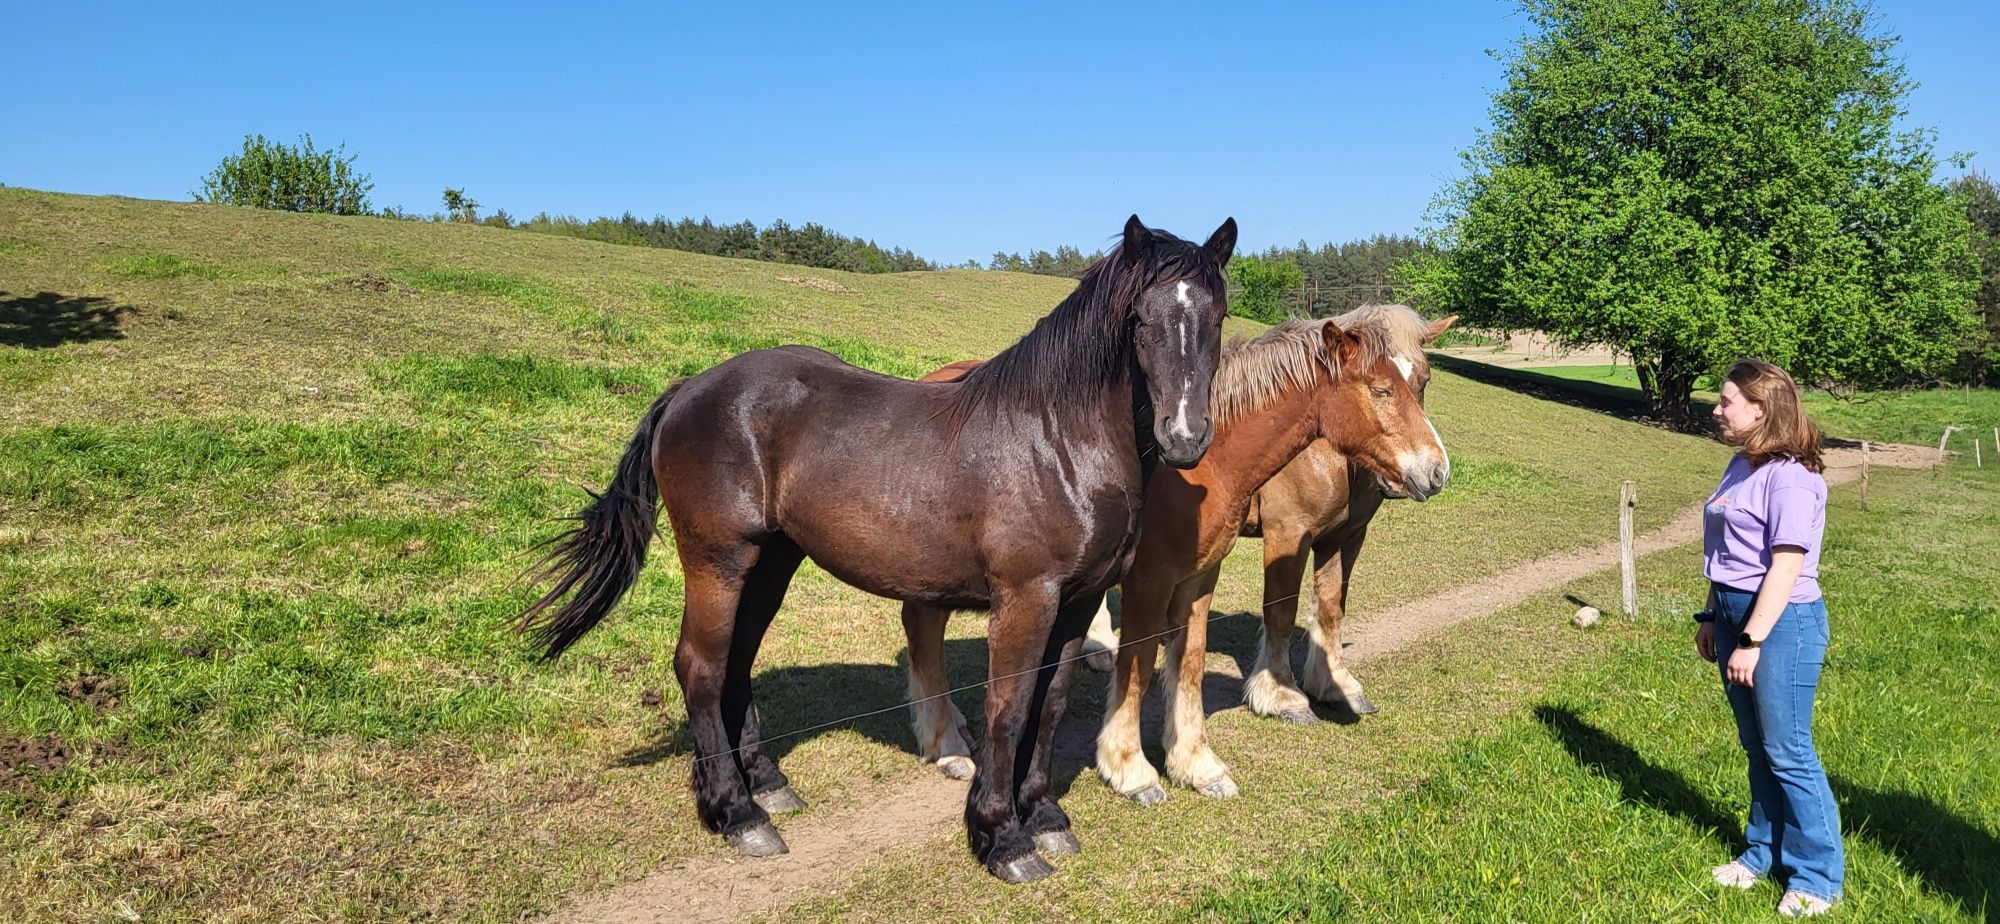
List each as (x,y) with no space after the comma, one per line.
(951,130)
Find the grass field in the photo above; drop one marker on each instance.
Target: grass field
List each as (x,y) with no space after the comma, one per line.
(267,480)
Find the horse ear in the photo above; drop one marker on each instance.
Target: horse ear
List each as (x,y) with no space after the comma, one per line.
(1341,345)
(1222,243)
(1438,326)
(1137,239)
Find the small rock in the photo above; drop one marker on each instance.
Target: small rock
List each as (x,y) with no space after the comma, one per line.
(1585,617)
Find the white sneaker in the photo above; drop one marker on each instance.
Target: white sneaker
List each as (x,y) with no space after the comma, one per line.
(1801,905)
(1734,875)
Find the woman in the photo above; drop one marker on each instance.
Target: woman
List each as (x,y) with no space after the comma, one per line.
(1766,625)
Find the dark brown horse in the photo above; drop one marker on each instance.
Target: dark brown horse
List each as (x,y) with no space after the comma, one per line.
(1300,382)
(1017,490)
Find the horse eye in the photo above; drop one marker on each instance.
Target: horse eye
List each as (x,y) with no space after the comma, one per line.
(1381,392)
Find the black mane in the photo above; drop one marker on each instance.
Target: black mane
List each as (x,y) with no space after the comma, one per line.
(1082,347)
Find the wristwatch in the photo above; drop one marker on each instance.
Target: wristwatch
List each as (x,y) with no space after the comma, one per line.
(1743,640)
(1705,616)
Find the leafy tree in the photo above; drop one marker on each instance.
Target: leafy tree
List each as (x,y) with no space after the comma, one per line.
(1263,284)
(1982,210)
(1696,180)
(460,207)
(270,175)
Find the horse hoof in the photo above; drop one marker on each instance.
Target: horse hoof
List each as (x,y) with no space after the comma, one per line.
(1299,717)
(1100,661)
(1026,868)
(1221,787)
(1058,843)
(1151,795)
(780,801)
(958,768)
(760,840)
(1360,705)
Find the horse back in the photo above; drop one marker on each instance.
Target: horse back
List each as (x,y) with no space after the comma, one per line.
(883,490)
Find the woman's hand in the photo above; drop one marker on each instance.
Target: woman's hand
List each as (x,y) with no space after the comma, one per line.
(1704,641)
(1743,666)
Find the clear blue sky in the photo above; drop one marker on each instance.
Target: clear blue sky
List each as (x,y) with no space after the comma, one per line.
(954,130)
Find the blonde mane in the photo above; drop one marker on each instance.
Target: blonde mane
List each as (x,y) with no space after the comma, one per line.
(1281,359)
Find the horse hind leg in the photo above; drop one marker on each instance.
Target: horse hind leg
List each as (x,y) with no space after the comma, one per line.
(1326,675)
(1270,689)
(763,594)
(1190,762)
(702,664)
(933,716)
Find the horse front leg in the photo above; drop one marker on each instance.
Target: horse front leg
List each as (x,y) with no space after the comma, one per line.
(1270,689)
(1120,760)
(1017,640)
(1039,811)
(935,718)
(1190,762)
(1327,677)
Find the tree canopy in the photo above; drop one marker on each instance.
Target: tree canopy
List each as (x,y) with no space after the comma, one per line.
(1691,181)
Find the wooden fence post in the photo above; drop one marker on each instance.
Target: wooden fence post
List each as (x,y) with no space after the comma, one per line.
(1864,475)
(1939,467)
(1628,499)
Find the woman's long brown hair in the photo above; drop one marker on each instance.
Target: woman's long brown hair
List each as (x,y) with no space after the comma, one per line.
(1785,430)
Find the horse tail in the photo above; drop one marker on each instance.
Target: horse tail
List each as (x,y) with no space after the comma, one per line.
(599,559)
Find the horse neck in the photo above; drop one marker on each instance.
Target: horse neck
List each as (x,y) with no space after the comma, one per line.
(1254,447)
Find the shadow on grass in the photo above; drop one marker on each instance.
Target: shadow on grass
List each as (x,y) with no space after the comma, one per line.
(46,319)
(1616,400)
(798,704)
(1951,856)
(1638,780)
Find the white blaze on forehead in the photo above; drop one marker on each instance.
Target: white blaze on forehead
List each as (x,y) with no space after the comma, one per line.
(1404,366)
(1183,330)
(1180,294)
(1180,426)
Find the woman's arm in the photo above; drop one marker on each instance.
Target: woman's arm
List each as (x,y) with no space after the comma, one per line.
(1772,598)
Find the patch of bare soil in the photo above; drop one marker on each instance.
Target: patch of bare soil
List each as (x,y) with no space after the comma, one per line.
(99,693)
(814,282)
(18,755)
(371,282)
(827,850)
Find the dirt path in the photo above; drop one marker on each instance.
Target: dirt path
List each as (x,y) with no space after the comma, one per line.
(828,848)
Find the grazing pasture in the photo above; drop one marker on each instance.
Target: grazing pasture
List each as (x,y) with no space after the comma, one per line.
(267,482)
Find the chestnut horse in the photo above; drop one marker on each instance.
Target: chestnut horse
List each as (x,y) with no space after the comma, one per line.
(1274,395)
(1319,505)
(1016,489)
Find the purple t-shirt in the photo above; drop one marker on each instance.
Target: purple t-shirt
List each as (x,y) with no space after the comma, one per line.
(1781,503)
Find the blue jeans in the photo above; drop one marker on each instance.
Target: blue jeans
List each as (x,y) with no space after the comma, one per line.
(1794,828)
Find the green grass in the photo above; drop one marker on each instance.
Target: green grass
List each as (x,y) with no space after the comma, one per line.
(1611,796)
(286,499)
